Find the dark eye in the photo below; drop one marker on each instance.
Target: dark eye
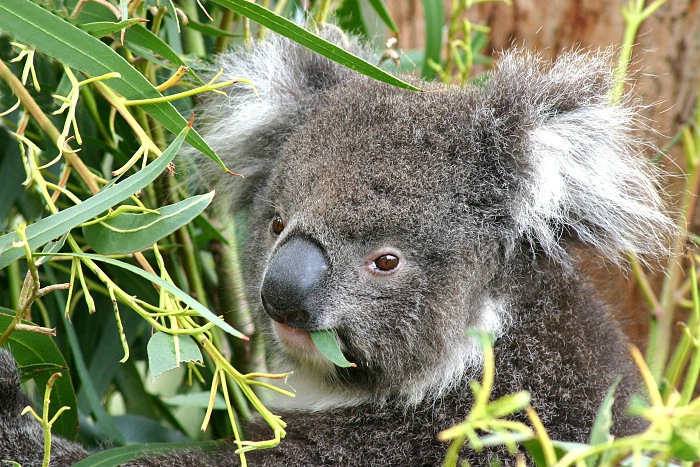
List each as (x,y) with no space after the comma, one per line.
(386,262)
(277,225)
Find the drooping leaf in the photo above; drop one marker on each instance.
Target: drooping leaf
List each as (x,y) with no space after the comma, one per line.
(326,342)
(58,224)
(287,28)
(129,231)
(31,24)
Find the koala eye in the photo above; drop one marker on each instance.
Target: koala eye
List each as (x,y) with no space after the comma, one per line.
(277,225)
(386,263)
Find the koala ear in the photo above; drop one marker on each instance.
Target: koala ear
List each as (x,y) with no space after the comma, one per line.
(247,130)
(582,173)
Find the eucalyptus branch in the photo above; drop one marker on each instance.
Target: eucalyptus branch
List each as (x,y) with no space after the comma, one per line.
(47,423)
(29,291)
(51,131)
(634,14)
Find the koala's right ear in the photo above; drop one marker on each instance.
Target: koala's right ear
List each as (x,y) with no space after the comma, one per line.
(247,130)
(578,167)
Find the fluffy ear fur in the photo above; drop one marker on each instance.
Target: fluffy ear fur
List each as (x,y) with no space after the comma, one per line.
(580,173)
(248,129)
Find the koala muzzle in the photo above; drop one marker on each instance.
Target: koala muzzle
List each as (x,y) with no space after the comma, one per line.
(291,290)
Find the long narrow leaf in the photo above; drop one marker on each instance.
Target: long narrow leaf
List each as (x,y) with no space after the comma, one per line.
(383,13)
(200,309)
(28,22)
(145,38)
(54,226)
(118,456)
(283,26)
(129,232)
(434,14)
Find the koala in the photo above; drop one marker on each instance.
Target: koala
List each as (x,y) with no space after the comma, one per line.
(399,220)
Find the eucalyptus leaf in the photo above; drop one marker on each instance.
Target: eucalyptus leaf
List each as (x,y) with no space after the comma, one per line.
(129,231)
(31,24)
(327,344)
(600,433)
(145,38)
(140,429)
(167,351)
(383,13)
(434,16)
(179,294)
(118,456)
(287,28)
(58,224)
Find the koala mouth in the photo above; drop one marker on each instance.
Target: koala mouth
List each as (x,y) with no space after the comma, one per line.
(295,338)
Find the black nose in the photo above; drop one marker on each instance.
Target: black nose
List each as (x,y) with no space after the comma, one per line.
(291,290)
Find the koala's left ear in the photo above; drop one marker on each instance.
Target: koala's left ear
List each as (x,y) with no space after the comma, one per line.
(248,129)
(580,170)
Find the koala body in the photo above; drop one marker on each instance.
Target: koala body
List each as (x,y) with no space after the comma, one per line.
(401,219)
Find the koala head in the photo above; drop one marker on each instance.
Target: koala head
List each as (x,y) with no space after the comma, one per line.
(398,219)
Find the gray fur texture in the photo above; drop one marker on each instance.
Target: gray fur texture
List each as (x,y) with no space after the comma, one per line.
(481,194)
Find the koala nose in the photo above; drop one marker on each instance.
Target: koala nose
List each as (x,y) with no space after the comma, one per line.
(291,288)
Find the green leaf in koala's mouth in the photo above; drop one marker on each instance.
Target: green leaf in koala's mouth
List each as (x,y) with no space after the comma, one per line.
(327,344)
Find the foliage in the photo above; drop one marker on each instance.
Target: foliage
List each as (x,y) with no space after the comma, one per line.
(92,95)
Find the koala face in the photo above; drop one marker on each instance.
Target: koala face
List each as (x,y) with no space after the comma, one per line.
(368,235)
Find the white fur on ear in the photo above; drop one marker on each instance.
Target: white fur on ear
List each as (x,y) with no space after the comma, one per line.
(586,178)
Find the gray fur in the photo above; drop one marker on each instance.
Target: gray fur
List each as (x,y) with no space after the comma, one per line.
(483,193)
